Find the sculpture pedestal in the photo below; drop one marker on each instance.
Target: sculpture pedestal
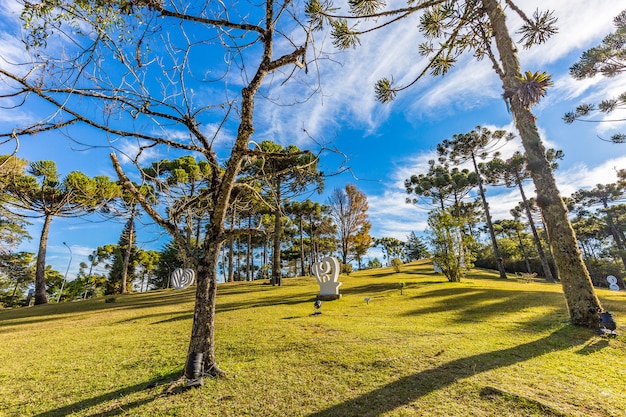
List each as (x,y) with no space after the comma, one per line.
(328,297)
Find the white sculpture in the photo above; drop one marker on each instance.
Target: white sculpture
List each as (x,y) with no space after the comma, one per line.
(326,273)
(612,283)
(182,278)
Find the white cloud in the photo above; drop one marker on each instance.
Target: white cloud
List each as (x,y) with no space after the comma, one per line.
(130,150)
(582,176)
(347,78)
(391,216)
(576,30)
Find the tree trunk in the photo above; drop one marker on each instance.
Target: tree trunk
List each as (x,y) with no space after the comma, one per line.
(582,302)
(313,255)
(14,291)
(238,259)
(231,251)
(276,270)
(302,248)
(249,257)
(616,235)
(265,258)
(203,327)
(231,259)
(41,297)
(547,272)
(224,272)
(492,234)
(523,250)
(129,249)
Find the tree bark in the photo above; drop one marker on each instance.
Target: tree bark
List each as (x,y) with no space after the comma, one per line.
(547,272)
(41,297)
(492,234)
(231,250)
(129,249)
(582,302)
(203,327)
(276,270)
(249,254)
(523,250)
(301,247)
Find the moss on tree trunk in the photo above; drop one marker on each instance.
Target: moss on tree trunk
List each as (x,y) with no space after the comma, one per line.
(581,299)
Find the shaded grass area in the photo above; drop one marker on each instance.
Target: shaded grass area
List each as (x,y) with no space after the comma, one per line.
(482,347)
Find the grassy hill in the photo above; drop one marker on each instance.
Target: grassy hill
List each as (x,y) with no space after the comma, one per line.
(482,347)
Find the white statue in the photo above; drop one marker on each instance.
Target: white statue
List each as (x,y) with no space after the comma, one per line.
(612,283)
(182,278)
(326,273)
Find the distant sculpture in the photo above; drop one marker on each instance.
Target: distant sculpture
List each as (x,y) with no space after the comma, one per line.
(182,278)
(326,273)
(612,283)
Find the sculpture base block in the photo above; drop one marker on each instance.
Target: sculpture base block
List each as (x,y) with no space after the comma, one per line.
(328,297)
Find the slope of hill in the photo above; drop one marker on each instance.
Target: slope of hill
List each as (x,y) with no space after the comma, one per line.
(482,347)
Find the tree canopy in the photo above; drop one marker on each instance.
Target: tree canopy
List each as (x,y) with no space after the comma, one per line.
(607,59)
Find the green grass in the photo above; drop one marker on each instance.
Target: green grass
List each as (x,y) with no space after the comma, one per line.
(482,347)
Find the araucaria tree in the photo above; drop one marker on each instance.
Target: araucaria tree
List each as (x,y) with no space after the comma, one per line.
(452,28)
(472,146)
(44,193)
(512,173)
(144,64)
(609,60)
(285,172)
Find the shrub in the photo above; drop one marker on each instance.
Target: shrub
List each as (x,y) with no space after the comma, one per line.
(395,263)
(346,269)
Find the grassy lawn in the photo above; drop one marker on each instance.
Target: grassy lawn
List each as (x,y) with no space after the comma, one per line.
(482,347)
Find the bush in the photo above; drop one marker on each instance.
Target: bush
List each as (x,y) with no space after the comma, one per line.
(374,263)
(395,263)
(346,269)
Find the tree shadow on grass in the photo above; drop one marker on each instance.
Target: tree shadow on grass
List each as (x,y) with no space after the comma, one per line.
(381,287)
(481,304)
(410,388)
(156,385)
(593,346)
(53,312)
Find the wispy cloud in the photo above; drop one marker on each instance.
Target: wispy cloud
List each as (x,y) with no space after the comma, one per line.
(576,31)
(347,78)
(582,176)
(393,217)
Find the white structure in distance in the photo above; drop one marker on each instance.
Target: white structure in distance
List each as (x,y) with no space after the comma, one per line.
(612,283)
(182,278)
(327,273)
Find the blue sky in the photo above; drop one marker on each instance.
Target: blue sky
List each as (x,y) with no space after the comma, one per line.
(385,143)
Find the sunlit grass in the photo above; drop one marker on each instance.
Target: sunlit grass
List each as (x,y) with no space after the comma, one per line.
(482,347)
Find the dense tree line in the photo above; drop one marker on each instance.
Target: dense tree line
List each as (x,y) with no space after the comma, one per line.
(307,230)
(458,210)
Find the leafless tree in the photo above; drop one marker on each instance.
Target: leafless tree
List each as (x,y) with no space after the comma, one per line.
(136,74)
